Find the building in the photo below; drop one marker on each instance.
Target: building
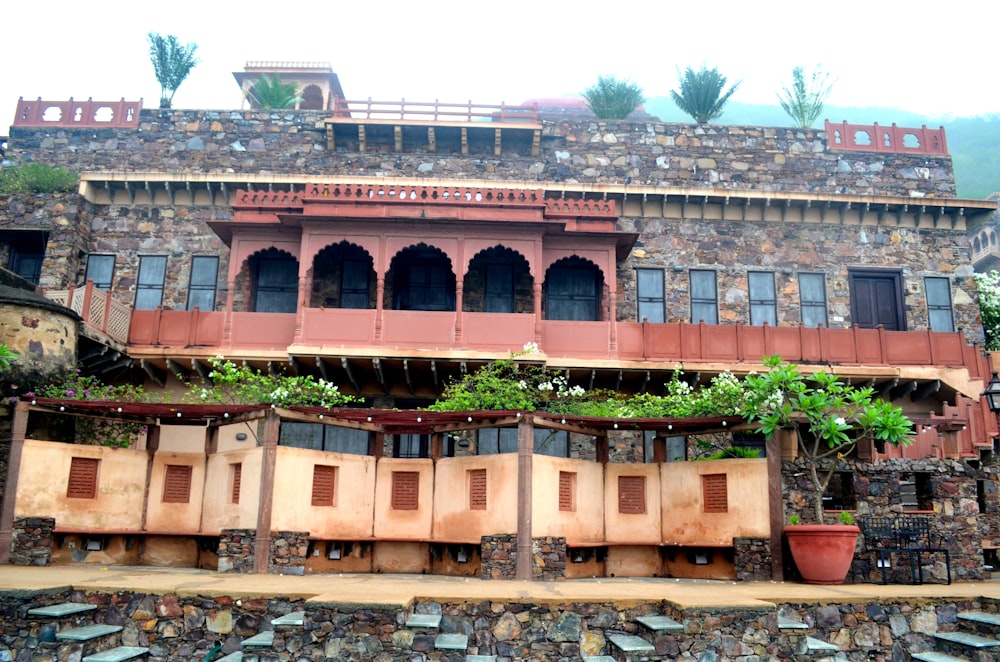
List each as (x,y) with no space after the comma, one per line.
(390,249)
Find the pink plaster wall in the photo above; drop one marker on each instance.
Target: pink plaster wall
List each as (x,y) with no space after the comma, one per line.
(453,520)
(632,528)
(404,524)
(175,517)
(585,523)
(219,512)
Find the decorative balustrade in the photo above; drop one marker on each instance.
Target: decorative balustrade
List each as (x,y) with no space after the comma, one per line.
(555,208)
(876,138)
(81,114)
(392,193)
(433,111)
(100,312)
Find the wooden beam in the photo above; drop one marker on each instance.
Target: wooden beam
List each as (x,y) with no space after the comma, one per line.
(324,371)
(903,389)
(178,371)
(202,369)
(154,372)
(346,365)
(406,374)
(926,389)
(380,374)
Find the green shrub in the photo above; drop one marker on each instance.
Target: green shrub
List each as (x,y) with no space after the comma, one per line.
(37,178)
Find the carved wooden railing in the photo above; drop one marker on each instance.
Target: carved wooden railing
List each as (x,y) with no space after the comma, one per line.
(876,138)
(82,114)
(433,111)
(100,312)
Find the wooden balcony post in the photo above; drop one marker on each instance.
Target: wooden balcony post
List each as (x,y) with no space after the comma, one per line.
(525,450)
(262,544)
(19,428)
(152,445)
(538,312)
(88,294)
(379,303)
(300,311)
(227,324)
(459,293)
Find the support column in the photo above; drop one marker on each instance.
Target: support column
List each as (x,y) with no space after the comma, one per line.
(262,543)
(152,445)
(776,503)
(538,313)
(459,294)
(525,450)
(227,324)
(379,305)
(18,429)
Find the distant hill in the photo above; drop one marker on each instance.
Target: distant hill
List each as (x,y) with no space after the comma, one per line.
(974,142)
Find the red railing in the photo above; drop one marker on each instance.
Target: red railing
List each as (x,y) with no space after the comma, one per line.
(89,113)
(434,111)
(100,312)
(399,193)
(876,138)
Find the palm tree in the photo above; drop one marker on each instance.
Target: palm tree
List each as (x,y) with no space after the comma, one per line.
(804,102)
(172,62)
(613,99)
(701,94)
(273,93)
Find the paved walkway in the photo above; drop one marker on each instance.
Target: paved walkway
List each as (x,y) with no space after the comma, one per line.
(399,590)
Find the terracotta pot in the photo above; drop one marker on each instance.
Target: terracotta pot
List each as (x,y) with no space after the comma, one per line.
(822,552)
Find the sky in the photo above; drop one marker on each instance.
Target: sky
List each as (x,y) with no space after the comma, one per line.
(939,61)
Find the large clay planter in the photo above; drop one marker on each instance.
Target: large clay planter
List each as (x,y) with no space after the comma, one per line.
(822,552)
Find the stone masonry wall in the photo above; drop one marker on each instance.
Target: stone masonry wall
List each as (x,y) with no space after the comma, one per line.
(31,540)
(187,627)
(654,153)
(964,509)
(499,557)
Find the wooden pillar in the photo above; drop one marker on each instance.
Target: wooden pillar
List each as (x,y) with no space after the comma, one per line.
(659,449)
(459,294)
(262,544)
(19,428)
(437,445)
(601,449)
(227,323)
(152,445)
(379,305)
(525,450)
(776,504)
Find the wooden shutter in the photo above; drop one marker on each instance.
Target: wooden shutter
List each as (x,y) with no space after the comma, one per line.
(177,483)
(237,470)
(632,495)
(567,491)
(82,482)
(324,482)
(477,489)
(715,493)
(405,490)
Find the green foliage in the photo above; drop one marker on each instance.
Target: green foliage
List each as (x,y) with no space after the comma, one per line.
(701,93)
(729,452)
(989,307)
(828,417)
(242,384)
(273,93)
(804,101)
(36,178)
(794,519)
(96,431)
(7,357)
(845,517)
(172,62)
(611,98)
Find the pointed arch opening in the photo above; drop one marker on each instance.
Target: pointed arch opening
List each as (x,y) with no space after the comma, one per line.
(312,98)
(572,290)
(343,276)
(498,281)
(421,278)
(268,283)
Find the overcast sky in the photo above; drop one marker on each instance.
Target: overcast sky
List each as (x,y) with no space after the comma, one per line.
(935,59)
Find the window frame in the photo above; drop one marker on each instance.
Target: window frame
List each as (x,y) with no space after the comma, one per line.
(200,287)
(939,307)
(702,301)
(145,285)
(763,310)
(813,304)
(657,302)
(94,264)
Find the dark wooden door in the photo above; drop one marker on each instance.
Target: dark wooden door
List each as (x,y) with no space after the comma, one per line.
(877,298)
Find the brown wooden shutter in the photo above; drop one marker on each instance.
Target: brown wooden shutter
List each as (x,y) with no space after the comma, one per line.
(405,490)
(82,482)
(715,493)
(177,483)
(324,482)
(567,491)
(237,480)
(477,489)
(632,495)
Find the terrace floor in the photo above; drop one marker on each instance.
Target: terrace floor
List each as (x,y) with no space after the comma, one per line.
(401,590)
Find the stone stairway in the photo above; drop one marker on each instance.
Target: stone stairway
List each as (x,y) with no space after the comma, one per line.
(977,640)
(428,623)
(806,647)
(71,632)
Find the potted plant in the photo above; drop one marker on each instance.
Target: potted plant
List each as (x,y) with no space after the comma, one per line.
(828,418)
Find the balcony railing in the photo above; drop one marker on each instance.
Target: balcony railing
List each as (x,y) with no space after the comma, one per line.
(81,114)
(100,312)
(876,138)
(497,332)
(433,111)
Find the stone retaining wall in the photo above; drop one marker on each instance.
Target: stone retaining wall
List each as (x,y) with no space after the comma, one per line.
(572,150)
(498,555)
(31,540)
(175,627)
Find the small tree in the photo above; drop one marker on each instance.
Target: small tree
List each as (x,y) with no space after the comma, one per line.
(273,93)
(828,417)
(172,62)
(804,101)
(701,93)
(989,307)
(613,99)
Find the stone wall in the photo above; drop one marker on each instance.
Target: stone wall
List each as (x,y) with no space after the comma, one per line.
(499,557)
(31,540)
(181,627)
(961,503)
(752,559)
(585,151)
(236,550)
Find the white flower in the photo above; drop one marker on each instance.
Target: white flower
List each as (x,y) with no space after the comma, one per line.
(530,348)
(840,420)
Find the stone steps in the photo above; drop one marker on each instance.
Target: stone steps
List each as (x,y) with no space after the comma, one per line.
(62,609)
(934,656)
(119,654)
(261,640)
(451,642)
(967,639)
(232,657)
(293,619)
(87,632)
(425,621)
(660,623)
(630,644)
(980,617)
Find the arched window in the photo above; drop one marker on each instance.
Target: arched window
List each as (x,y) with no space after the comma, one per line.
(422,279)
(572,290)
